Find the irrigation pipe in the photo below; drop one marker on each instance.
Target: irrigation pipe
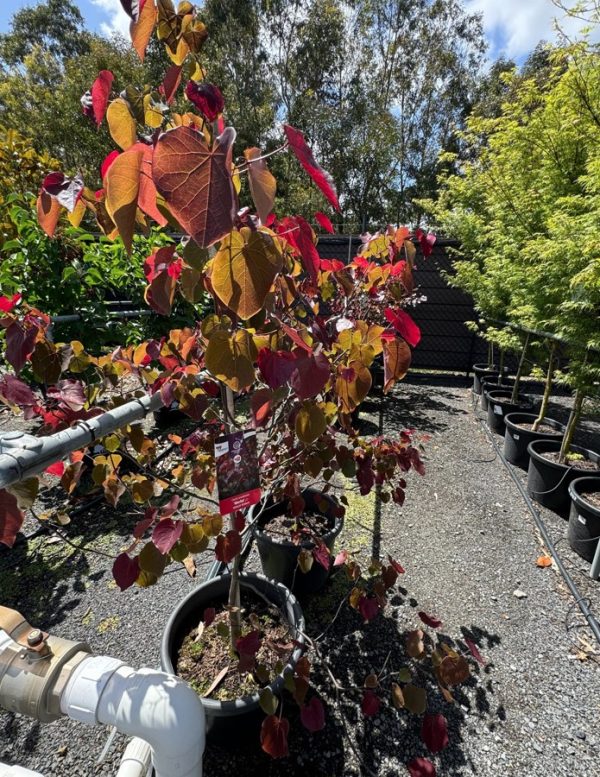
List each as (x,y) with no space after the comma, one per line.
(579,599)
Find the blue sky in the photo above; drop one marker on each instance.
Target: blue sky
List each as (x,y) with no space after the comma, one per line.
(512,27)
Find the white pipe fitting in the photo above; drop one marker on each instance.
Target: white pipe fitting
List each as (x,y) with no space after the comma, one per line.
(144,703)
(17,771)
(137,759)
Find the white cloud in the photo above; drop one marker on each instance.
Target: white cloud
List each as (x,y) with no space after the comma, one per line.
(514,27)
(118,19)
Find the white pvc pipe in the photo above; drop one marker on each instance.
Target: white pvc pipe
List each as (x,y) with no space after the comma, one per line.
(136,760)
(17,771)
(23,462)
(147,704)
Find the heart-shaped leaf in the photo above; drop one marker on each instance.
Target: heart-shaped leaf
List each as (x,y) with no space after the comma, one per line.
(434,732)
(404,325)
(262,183)
(142,27)
(121,124)
(100,92)
(421,767)
(122,184)
(125,571)
(229,358)
(310,423)
(273,736)
(166,533)
(415,699)
(228,546)
(313,715)
(196,182)
(396,361)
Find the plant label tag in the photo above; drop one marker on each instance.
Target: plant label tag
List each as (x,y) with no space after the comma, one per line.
(497,410)
(515,436)
(238,473)
(581,519)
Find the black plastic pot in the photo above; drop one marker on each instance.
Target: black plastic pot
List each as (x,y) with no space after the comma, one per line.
(481,371)
(279,560)
(584,518)
(516,439)
(499,406)
(230,719)
(547,481)
(491,384)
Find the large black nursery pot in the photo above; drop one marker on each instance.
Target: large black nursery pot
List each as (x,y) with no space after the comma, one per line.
(547,481)
(517,439)
(279,560)
(240,718)
(481,371)
(584,518)
(491,384)
(499,406)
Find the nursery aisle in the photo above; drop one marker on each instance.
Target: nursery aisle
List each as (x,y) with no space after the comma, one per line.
(467,543)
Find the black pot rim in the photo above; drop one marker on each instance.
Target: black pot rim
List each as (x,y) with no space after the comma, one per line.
(331,534)
(497,396)
(244,703)
(578,498)
(555,446)
(509,420)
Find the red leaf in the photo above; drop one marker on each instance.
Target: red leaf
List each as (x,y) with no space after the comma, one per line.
(370,703)
(147,190)
(324,222)
(321,554)
(239,521)
(261,403)
(300,235)
(108,160)
(475,651)
(404,325)
(368,607)
(273,736)
(15,392)
(167,510)
(429,620)
(341,558)
(206,97)
(100,94)
(228,546)
(142,526)
(311,374)
(68,392)
(171,83)
(248,645)
(421,767)
(209,616)
(276,367)
(166,534)
(57,469)
(11,518)
(125,571)
(399,569)
(305,156)
(426,241)
(6,305)
(434,732)
(313,715)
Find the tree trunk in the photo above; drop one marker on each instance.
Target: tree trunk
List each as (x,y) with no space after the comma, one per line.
(500,366)
(571,426)
(547,389)
(515,392)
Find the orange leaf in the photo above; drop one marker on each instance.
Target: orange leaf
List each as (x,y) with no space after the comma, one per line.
(262,183)
(396,361)
(141,31)
(196,182)
(122,184)
(48,212)
(544,561)
(147,193)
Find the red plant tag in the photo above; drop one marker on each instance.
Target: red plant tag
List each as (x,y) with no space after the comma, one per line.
(238,474)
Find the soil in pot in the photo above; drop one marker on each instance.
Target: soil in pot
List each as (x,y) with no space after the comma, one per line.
(492,385)
(281,538)
(584,518)
(204,659)
(519,434)
(499,406)
(548,480)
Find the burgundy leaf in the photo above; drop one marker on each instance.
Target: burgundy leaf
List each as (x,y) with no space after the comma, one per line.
(276,367)
(421,767)
(313,715)
(11,518)
(426,241)
(15,392)
(429,620)
(305,156)
(321,554)
(125,571)
(20,342)
(324,222)
(209,616)
(404,325)
(310,375)
(68,392)
(248,645)
(167,510)
(399,569)
(434,732)
(475,651)
(142,526)
(171,82)
(166,534)
(100,94)
(368,607)
(206,97)
(63,189)
(273,736)
(228,546)
(370,703)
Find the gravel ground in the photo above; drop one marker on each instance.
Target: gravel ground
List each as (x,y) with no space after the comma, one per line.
(467,542)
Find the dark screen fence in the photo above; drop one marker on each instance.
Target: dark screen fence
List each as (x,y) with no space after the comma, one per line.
(446,342)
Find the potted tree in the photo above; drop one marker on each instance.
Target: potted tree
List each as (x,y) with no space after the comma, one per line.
(269,380)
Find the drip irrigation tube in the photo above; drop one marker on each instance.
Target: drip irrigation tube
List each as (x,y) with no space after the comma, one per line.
(579,599)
